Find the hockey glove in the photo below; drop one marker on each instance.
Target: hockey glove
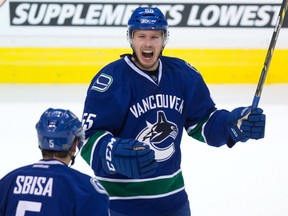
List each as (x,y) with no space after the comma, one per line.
(243,126)
(128,157)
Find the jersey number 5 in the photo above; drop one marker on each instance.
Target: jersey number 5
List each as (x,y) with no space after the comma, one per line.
(24,206)
(87,120)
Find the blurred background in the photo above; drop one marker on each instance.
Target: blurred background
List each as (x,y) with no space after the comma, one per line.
(69,41)
(50,50)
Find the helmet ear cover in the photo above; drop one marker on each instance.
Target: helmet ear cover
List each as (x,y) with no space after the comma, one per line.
(57,130)
(147,18)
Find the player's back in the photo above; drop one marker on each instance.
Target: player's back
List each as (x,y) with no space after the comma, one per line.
(50,188)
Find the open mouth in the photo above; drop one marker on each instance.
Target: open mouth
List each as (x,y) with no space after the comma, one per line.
(147,54)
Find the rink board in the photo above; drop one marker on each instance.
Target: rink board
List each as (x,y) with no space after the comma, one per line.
(79,65)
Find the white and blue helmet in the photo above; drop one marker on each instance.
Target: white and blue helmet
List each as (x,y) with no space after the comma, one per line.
(57,129)
(147,18)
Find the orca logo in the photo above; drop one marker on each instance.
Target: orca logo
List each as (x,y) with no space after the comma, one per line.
(159,133)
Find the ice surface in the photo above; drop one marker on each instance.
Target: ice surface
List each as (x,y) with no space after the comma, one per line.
(250,179)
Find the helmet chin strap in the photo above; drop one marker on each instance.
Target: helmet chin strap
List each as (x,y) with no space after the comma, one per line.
(72,160)
(73,157)
(134,55)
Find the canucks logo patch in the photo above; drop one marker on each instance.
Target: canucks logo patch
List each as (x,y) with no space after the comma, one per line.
(160,136)
(96,184)
(102,82)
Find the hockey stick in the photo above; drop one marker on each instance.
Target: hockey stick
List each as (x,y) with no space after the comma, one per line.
(269,54)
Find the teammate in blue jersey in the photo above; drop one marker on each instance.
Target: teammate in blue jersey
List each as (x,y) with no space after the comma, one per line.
(134,114)
(50,186)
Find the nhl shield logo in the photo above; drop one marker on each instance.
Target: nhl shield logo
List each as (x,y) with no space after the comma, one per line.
(2,2)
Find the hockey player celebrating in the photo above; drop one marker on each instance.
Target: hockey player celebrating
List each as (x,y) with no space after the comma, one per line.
(135,111)
(50,187)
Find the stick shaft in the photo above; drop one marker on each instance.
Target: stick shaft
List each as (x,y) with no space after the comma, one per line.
(269,54)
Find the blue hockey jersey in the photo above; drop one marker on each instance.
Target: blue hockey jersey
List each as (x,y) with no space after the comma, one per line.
(50,187)
(124,101)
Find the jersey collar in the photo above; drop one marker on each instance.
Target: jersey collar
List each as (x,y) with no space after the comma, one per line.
(137,70)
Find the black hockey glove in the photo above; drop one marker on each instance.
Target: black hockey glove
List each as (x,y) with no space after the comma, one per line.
(242,127)
(129,158)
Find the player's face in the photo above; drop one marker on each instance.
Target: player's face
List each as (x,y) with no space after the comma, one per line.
(147,45)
